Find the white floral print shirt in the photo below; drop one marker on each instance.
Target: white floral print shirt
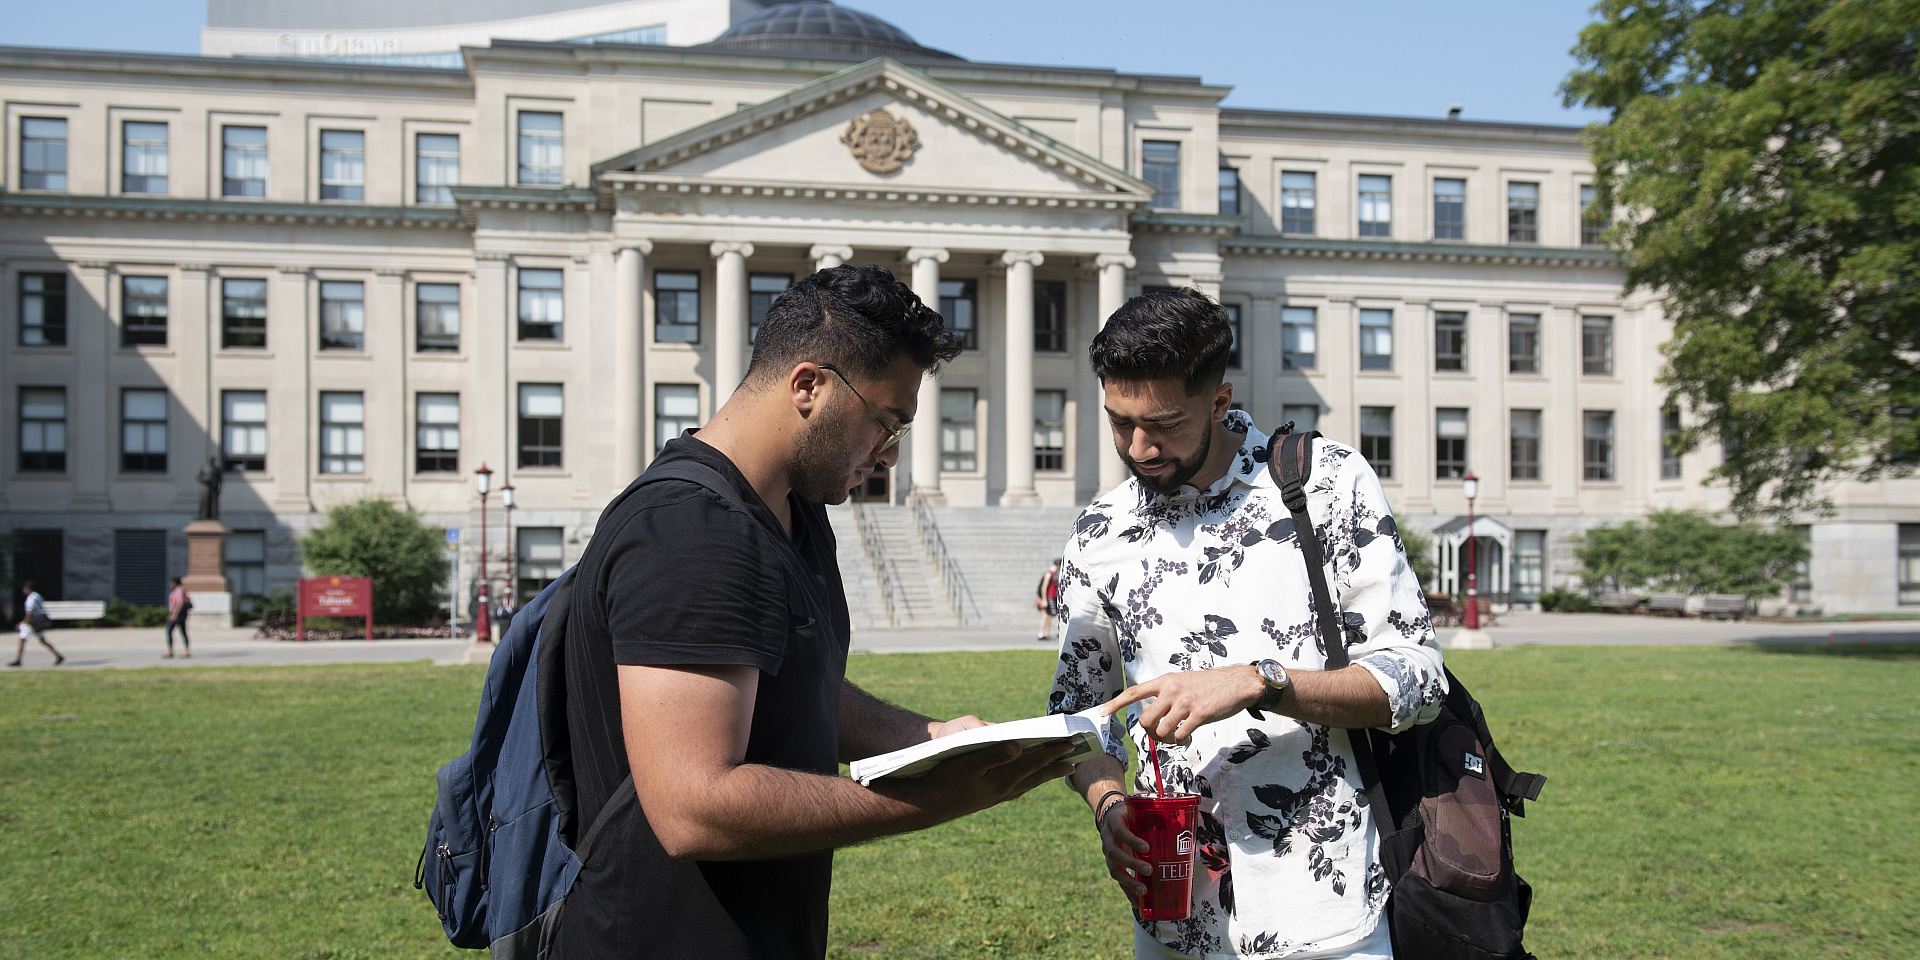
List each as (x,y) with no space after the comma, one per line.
(1198,579)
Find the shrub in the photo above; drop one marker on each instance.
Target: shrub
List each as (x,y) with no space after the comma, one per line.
(124,613)
(1685,551)
(371,538)
(1562,600)
(1419,546)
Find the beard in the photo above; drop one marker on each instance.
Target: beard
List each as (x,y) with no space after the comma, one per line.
(823,456)
(1183,468)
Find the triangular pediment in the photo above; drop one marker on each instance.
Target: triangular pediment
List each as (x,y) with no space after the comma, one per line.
(802,137)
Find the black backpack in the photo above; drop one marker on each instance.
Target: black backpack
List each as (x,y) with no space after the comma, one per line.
(1445,843)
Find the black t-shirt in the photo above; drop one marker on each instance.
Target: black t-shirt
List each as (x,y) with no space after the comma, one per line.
(679,575)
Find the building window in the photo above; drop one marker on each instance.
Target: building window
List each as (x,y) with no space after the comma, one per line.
(542,304)
(1305,417)
(1376,206)
(1523,212)
(243,161)
(1297,341)
(43,309)
(243,313)
(1596,346)
(1233,328)
(143,311)
(343,165)
(43,430)
(1449,340)
(243,439)
(1229,192)
(1376,339)
(1449,209)
(1296,202)
(43,153)
(436,319)
(436,433)
(343,436)
(1050,316)
(1049,429)
(143,431)
(436,167)
(676,409)
(1529,564)
(1524,445)
(1593,221)
(246,562)
(1598,433)
(1670,443)
(957,302)
(541,556)
(143,157)
(762,290)
(1523,343)
(959,441)
(1376,439)
(676,306)
(343,315)
(1160,167)
(1450,443)
(542,153)
(1909,563)
(1800,590)
(541,407)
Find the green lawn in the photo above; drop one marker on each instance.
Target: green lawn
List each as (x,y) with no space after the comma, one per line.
(1703,802)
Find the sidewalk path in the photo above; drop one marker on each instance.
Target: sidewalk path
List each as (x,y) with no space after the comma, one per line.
(135,647)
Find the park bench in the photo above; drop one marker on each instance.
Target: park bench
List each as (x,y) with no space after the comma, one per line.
(1674,603)
(76,609)
(1730,605)
(1621,602)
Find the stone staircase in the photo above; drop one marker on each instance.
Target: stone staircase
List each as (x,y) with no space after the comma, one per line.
(999,553)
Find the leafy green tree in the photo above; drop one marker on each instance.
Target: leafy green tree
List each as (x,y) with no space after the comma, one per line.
(1769,154)
(404,557)
(1684,551)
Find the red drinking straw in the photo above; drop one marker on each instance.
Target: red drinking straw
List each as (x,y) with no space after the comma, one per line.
(1153,749)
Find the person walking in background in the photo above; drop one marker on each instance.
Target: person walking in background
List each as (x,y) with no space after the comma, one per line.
(178,603)
(1047,599)
(33,624)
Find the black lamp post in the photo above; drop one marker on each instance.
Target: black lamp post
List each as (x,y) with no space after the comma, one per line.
(483,622)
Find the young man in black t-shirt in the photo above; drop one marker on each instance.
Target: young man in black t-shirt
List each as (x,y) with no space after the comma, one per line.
(706,652)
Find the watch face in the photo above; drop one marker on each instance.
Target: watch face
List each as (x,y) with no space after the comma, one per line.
(1273,673)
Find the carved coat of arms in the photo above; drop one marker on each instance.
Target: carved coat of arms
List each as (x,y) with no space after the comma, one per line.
(880,141)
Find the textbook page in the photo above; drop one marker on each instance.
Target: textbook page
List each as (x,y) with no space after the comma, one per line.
(1087,732)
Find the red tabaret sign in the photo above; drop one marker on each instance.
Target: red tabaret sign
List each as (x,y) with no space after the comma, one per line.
(334,597)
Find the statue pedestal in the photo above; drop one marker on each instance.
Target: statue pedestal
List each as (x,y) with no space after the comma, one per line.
(206,579)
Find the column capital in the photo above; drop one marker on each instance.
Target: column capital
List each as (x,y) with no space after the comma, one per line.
(291,270)
(1124,261)
(822,250)
(917,254)
(720,248)
(195,268)
(1496,304)
(101,265)
(395,272)
(643,247)
(1030,257)
(492,256)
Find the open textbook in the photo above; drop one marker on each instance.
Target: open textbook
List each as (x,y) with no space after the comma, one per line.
(1087,731)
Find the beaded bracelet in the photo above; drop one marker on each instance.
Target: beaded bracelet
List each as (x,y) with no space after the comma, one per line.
(1103,806)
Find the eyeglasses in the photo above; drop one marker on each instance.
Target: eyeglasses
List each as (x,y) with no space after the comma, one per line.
(894,434)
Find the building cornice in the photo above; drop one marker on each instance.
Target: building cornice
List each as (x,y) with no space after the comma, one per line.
(473,199)
(136,209)
(1314,248)
(1244,120)
(665,184)
(1171,221)
(95,62)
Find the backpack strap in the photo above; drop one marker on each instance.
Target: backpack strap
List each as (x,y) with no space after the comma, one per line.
(623,798)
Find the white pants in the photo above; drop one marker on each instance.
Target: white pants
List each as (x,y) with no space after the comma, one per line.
(1377,946)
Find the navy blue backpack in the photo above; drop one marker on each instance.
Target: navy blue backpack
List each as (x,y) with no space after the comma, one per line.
(497,863)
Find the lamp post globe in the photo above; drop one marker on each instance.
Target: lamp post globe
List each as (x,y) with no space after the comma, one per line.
(1470,485)
(483,620)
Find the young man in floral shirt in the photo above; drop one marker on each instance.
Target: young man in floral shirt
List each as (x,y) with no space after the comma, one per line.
(1186,603)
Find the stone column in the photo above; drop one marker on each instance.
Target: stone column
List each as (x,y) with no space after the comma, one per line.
(1113,269)
(925,440)
(193,389)
(93,414)
(826,256)
(730,317)
(628,351)
(292,337)
(386,437)
(1018,418)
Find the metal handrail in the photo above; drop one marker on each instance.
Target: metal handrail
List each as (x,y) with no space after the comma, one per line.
(883,568)
(959,595)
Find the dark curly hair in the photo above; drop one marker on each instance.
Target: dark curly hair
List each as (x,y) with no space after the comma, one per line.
(1177,333)
(856,319)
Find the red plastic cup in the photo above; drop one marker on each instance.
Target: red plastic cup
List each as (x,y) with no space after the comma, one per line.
(1167,824)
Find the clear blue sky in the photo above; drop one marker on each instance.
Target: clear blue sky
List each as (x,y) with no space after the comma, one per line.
(1499,59)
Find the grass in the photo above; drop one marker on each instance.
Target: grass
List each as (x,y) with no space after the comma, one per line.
(1702,802)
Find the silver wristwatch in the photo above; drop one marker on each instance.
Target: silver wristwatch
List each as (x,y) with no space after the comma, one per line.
(1274,680)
